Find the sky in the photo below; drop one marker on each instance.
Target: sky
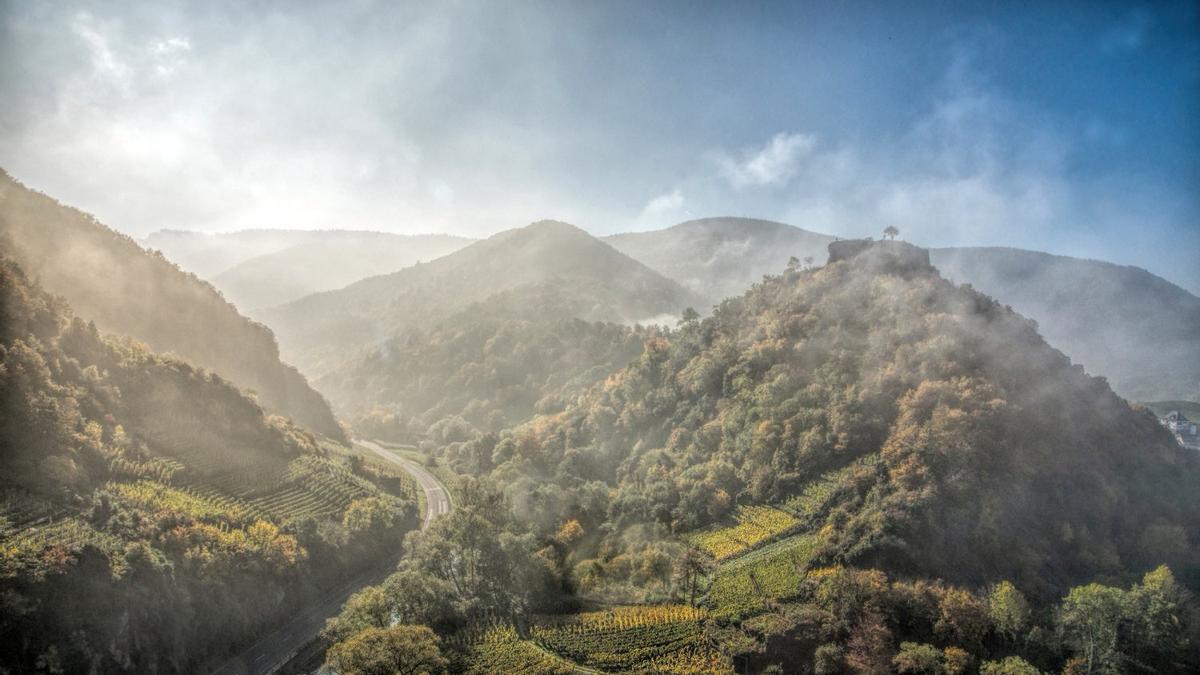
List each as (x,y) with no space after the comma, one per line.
(1069,128)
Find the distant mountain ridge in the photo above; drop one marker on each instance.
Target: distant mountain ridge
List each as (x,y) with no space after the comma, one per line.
(318,331)
(1139,330)
(719,258)
(327,261)
(107,278)
(207,254)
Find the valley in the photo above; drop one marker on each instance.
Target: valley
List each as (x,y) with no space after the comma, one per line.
(554,337)
(637,485)
(275,650)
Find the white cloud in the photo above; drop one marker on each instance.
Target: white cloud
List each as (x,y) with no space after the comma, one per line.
(774,164)
(664,203)
(665,209)
(106,65)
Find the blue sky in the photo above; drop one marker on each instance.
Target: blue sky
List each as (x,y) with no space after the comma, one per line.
(1072,128)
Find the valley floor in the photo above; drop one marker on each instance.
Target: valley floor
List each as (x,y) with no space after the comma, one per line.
(274,650)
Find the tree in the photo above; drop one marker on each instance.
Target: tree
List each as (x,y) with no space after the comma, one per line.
(400,650)
(373,515)
(869,647)
(1008,610)
(1159,612)
(1090,619)
(692,567)
(415,597)
(890,232)
(1012,665)
(962,617)
(919,659)
(368,608)
(956,660)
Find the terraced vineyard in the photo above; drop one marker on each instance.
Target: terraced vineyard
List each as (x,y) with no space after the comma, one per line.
(308,486)
(314,487)
(744,585)
(498,649)
(755,524)
(20,510)
(206,505)
(643,639)
(628,638)
(70,534)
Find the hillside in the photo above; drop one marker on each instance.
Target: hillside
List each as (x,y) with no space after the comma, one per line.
(107,278)
(1138,330)
(152,517)
(492,365)
(942,435)
(718,258)
(1124,323)
(318,331)
(855,468)
(328,261)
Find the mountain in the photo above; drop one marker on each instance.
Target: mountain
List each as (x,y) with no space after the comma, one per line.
(491,365)
(1138,330)
(879,416)
(718,258)
(330,260)
(152,516)
(107,278)
(207,254)
(598,284)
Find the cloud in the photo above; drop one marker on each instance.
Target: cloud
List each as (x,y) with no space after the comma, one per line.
(662,210)
(664,203)
(106,64)
(774,164)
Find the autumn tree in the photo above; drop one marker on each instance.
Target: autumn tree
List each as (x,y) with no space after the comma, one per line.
(400,650)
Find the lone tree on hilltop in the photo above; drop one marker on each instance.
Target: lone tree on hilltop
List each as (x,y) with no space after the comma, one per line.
(890,232)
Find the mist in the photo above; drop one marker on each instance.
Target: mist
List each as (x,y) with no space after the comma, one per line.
(623,337)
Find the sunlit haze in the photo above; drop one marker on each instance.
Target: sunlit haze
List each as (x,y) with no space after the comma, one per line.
(1073,129)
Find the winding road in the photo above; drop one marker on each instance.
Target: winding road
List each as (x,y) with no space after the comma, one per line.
(274,650)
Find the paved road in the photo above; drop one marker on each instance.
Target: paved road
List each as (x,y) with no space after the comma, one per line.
(274,650)
(437,500)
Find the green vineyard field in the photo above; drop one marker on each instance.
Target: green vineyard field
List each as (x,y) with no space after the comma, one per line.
(743,586)
(643,639)
(755,524)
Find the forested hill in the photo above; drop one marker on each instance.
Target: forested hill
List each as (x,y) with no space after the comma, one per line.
(153,517)
(906,423)
(1139,330)
(490,366)
(317,330)
(107,278)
